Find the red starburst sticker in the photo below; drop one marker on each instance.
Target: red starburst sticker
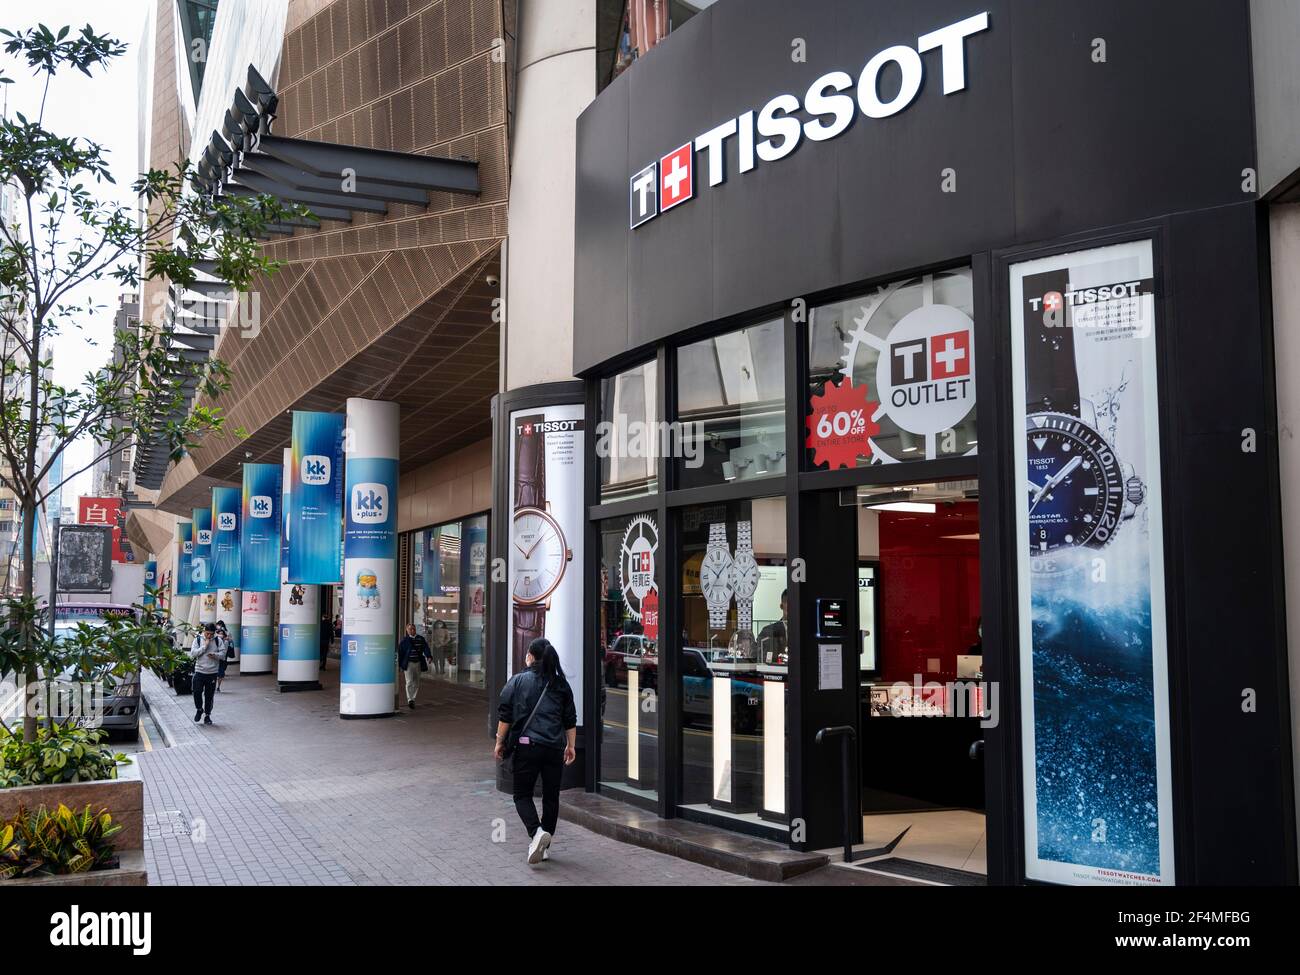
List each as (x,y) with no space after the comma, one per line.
(840,425)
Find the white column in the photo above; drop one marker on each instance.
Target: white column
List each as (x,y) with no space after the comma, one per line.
(255,633)
(229,610)
(368,678)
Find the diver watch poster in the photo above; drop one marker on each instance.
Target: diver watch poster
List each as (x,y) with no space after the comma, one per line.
(545,543)
(1094,689)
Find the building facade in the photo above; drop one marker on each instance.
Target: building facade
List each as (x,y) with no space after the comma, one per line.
(881,411)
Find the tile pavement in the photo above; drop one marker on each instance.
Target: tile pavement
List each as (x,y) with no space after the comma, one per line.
(280,790)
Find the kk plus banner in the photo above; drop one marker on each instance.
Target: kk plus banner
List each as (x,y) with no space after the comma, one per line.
(225,537)
(1093,657)
(184,559)
(316,499)
(149,598)
(259,542)
(201,565)
(370,560)
(546,575)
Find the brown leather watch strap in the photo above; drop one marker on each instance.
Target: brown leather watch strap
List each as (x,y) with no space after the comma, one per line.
(529,624)
(530,467)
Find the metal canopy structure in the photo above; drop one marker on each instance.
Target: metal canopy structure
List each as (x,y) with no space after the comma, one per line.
(329,181)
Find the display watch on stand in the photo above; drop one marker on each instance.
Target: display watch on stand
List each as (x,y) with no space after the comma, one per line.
(541,553)
(744,582)
(715,576)
(1079,490)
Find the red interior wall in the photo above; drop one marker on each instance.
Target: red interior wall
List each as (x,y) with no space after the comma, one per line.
(930,589)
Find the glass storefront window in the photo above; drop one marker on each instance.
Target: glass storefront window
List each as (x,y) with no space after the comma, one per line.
(734,659)
(448,603)
(731,406)
(911,343)
(627,439)
(628,655)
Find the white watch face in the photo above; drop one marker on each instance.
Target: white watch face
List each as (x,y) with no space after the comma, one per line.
(539,556)
(715,576)
(744,576)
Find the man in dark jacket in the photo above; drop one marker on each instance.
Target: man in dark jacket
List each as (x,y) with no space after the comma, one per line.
(413,656)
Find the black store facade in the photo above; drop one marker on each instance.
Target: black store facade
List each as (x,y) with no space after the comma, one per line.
(925,392)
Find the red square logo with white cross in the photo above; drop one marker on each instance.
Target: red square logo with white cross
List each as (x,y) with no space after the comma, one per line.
(950,355)
(676,179)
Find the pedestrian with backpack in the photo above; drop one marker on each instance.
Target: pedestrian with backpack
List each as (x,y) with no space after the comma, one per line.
(537,730)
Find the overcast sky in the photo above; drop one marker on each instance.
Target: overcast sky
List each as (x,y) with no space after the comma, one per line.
(103,109)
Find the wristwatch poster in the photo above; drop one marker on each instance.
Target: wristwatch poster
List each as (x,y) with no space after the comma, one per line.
(1092,634)
(545,561)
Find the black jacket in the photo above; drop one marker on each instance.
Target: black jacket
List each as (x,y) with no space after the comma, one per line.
(412,648)
(554,717)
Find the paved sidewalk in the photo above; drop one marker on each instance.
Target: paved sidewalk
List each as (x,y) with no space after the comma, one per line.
(280,790)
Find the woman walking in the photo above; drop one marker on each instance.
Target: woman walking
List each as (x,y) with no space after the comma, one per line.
(538,725)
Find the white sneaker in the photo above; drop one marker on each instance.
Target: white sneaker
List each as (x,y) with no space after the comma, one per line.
(537,848)
(546,854)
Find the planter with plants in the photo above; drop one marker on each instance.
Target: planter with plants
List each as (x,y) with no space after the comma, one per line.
(66,846)
(68,765)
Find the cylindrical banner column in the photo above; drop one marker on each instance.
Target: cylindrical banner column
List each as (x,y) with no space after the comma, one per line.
(368,681)
(299,604)
(228,612)
(255,633)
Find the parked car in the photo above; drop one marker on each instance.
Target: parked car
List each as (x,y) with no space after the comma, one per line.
(633,645)
(119,711)
(697,694)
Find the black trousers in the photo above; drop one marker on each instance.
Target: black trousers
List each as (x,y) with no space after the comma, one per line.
(204,687)
(530,762)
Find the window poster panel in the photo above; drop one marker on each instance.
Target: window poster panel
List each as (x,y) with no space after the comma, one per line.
(1093,663)
(546,522)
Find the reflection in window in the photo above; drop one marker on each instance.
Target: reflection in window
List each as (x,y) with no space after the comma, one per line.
(628,439)
(734,659)
(628,656)
(731,405)
(449,596)
(629,29)
(911,343)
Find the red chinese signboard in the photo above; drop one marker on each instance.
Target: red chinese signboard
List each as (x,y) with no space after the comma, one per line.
(650,615)
(106,511)
(840,427)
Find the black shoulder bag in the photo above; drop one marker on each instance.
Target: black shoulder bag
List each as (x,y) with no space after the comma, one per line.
(512,739)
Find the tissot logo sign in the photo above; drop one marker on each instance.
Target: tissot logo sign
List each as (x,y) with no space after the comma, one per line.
(944,356)
(225,522)
(315,469)
(259,506)
(370,503)
(832,103)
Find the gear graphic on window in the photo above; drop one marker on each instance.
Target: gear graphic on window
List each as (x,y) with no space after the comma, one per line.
(924,377)
(636,563)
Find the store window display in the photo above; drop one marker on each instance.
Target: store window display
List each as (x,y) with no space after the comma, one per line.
(448,603)
(731,406)
(735,659)
(628,437)
(628,657)
(910,345)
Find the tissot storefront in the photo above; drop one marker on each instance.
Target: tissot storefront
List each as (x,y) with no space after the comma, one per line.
(925,396)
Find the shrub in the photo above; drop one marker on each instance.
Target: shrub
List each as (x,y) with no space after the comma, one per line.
(46,843)
(64,753)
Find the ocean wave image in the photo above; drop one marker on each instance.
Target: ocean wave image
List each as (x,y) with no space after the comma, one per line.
(1094,730)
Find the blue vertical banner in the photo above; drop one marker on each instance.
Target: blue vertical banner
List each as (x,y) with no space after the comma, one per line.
(184,559)
(225,537)
(370,560)
(147,599)
(201,564)
(298,661)
(259,539)
(1096,741)
(316,499)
